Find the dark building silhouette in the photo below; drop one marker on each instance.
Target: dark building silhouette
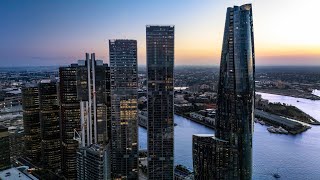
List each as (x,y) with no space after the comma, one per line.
(228,154)
(93,95)
(70,119)
(203,156)
(16,136)
(124,96)
(206,151)
(4,148)
(31,123)
(84,91)
(235,99)
(49,125)
(160,64)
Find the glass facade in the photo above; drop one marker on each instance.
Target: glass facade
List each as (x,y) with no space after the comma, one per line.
(31,123)
(92,92)
(124,95)
(84,94)
(160,65)
(70,119)
(235,101)
(49,125)
(203,156)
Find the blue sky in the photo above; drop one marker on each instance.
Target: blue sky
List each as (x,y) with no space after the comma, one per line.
(35,32)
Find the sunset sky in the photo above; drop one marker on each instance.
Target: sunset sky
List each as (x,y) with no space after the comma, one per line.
(59,32)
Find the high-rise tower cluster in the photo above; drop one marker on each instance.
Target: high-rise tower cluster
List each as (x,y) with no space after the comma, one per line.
(90,78)
(91,113)
(86,123)
(42,124)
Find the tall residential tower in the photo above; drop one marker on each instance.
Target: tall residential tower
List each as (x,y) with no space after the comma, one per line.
(236,90)
(124,95)
(228,154)
(160,64)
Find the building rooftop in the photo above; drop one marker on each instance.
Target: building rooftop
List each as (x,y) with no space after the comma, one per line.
(204,135)
(45,81)
(17,173)
(18,91)
(210,136)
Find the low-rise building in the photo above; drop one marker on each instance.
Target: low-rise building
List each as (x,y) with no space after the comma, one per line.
(197,116)
(92,163)
(16,138)
(210,120)
(4,148)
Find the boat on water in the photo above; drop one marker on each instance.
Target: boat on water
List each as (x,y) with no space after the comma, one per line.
(279,130)
(262,122)
(271,129)
(276,175)
(259,121)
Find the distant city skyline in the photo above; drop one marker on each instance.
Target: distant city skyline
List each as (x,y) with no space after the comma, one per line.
(59,32)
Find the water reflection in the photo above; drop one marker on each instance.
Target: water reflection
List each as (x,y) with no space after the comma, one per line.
(293,157)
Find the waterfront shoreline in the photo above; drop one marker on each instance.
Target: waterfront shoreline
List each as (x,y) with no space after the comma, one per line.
(195,120)
(299,149)
(285,93)
(269,123)
(184,116)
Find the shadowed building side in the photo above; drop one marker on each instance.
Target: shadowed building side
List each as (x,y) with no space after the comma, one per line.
(70,119)
(92,93)
(207,150)
(5,148)
(235,101)
(160,65)
(50,125)
(124,107)
(31,123)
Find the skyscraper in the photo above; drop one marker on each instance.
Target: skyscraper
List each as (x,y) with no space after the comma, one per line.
(5,148)
(49,125)
(124,95)
(92,93)
(160,64)
(31,123)
(235,101)
(70,119)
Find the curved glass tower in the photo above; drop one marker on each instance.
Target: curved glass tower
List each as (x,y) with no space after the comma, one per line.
(235,113)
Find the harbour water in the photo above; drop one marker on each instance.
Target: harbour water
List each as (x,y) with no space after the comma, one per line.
(292,157)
